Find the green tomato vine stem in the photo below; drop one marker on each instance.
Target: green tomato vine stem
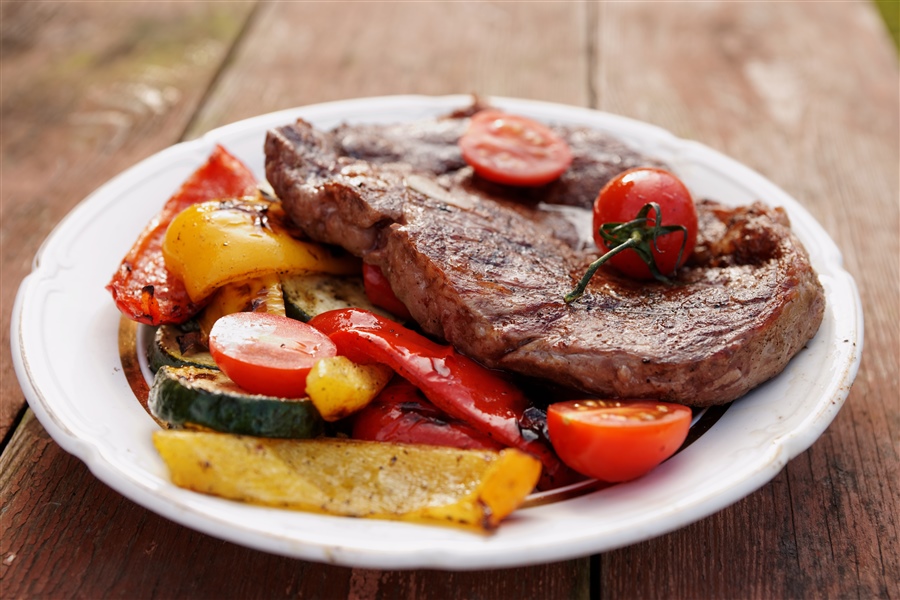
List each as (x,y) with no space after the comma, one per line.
(639,234)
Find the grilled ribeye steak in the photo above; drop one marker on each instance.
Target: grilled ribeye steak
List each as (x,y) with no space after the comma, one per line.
(490,279)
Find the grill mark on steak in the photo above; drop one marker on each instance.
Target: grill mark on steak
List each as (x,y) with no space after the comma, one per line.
(490,279)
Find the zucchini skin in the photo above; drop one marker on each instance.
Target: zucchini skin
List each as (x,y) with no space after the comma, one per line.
(165,350)
(308,294)
(205,398)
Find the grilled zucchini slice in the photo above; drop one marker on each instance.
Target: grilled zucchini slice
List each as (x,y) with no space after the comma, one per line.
(176,346)
(309,294)
(199,398)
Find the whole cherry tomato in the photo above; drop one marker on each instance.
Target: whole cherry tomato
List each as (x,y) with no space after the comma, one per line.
(514,150)
(616,440)
(622,199)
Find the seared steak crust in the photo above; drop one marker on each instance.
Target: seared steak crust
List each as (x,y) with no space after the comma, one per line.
(490,279)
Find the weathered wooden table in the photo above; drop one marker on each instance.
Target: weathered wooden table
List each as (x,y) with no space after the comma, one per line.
(804,92)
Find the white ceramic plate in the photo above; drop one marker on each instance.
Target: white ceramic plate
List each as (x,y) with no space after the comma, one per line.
(64,342)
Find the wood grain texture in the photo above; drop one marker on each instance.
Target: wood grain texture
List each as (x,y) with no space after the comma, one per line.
(303,53)
(804,92)
(89,89)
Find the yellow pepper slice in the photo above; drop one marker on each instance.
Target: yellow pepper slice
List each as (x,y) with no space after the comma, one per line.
(475,489)
(259,294)
(339,387)
(213,243)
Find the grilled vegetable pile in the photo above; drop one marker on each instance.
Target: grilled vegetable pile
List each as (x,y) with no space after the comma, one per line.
(263,402)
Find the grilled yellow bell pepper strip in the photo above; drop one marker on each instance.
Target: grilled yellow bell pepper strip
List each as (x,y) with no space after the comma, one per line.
(474,489)
(258,294)
(213,243)
(338,387)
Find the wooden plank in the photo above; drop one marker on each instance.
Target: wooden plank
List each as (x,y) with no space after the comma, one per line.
(806,94)
(303,53)
(88,90)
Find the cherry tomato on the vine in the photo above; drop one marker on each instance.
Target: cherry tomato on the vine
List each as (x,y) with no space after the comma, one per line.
(616,440)
(621,200)
(514,150)
(268,354)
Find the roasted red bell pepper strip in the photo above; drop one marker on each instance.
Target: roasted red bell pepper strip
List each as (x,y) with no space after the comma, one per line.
(454,383)
(401,414)
(142,288)
(379,291)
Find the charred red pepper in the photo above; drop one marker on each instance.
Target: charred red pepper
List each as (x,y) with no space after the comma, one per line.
(379,291)
(457,385)
(401,414)
(142,288)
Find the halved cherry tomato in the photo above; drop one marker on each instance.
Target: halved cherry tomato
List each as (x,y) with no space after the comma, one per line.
(401,414)
(267,354)
(616,440)
(621,200)
(379,291)
(514,150)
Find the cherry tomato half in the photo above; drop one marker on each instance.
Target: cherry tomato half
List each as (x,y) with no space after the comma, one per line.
(514,150)
(379,291)
(616,440)
(622,198)
(267,354)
